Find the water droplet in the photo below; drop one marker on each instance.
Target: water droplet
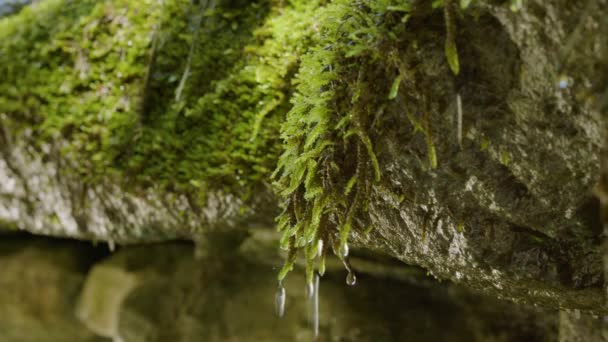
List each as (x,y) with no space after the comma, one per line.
(279,301)
(563,82)
(321,267)
(344,250)
(310,290)
(320,248)
(351,278)
(111,245)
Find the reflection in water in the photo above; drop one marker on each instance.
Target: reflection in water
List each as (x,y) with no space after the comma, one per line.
(315,310)
(175,297)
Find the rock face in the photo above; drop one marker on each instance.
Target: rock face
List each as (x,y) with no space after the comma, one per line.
(509,210)
(229,298)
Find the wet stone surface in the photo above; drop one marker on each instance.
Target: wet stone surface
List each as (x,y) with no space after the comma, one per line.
(510,211)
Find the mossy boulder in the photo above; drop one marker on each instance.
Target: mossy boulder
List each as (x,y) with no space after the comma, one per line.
(143,121)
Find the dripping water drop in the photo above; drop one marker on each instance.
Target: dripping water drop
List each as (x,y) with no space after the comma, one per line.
(563,82)
(310,290)
(321,266)
(279,301)
(351,278)
(344,250)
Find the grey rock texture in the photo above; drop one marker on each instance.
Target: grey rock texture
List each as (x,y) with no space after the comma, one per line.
(511,211)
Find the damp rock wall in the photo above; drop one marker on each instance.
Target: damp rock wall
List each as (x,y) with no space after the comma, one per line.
(147,135)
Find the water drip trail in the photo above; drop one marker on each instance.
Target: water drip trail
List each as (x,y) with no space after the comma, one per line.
(315,311)
(279,301)
(459,119)
(351,278)
(310,290)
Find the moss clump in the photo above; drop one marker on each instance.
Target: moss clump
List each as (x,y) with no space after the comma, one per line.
(72,70)
(329,165)
(345,81)
(190,96)
(451,52)
(204,137)
(99,79)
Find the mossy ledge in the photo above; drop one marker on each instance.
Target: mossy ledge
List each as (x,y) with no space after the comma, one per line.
(112,88)
(329,165)
(146,121)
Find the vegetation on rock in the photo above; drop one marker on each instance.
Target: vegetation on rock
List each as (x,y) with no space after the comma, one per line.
(465,141)
(108,86)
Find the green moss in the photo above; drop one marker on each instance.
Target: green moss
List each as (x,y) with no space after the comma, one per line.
(72,71)
(101,77)
(176,97)
(329,164)
(204,139)
(7,225)
(516,5)
(451,52)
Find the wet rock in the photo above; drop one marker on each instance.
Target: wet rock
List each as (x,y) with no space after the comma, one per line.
(510,212)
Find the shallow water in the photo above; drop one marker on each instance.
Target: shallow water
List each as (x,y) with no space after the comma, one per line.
(60,290)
